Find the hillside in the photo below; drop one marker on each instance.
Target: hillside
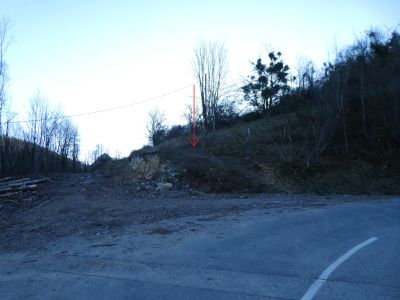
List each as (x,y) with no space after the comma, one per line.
(332,131)
(232,160)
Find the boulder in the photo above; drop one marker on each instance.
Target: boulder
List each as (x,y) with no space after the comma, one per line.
(163,187)
(101,161)
(145,167)
(145,151)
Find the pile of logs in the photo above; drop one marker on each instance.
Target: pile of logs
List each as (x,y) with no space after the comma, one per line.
(11,187)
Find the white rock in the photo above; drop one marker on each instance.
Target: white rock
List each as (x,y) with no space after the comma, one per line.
(163,187)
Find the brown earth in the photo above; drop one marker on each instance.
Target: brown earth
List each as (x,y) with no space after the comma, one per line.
(93,204)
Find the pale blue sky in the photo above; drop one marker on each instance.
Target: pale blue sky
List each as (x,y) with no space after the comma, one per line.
(90,55)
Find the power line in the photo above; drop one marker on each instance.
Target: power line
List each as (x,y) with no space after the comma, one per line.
(229,87)
(103,110)
(225,90)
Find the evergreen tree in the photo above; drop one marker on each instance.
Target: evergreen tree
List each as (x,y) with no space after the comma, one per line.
(269,83)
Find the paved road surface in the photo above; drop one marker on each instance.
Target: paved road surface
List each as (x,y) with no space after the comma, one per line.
(259,254)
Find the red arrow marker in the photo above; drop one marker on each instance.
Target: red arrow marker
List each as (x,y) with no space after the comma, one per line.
(194,140)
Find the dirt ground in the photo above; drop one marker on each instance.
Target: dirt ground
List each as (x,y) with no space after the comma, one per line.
(93,204)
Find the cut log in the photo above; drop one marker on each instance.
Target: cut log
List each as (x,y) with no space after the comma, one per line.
(362,165)
(16,181)
(21,183)
(18,189)
(5,179)
(47,179)
(9,194)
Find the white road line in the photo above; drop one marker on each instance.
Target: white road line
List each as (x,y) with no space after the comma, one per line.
(324,276)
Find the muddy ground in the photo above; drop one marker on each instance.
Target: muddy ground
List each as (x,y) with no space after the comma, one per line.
(93,204)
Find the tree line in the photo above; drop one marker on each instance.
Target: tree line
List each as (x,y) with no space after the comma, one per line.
(47,141)
(353,105)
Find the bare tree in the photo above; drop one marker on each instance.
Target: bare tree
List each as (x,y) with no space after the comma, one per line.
(156,126)
(96,153)
(360,51)
(210,66)
(341,76)
(75,149)
(7,145)
(65,140)
(305,74)
(188,115)
(5,41)
(286,147)
(38,114)
(50,133)
(322,131)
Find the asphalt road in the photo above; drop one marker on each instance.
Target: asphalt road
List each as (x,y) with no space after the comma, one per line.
(343,251)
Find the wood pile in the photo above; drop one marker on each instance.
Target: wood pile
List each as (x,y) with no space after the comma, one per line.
(10,187)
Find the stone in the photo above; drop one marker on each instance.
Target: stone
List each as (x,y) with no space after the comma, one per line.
(163,187)
(146,167)
(100,161)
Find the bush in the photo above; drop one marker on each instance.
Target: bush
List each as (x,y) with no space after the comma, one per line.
(174,132)
(251,116)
